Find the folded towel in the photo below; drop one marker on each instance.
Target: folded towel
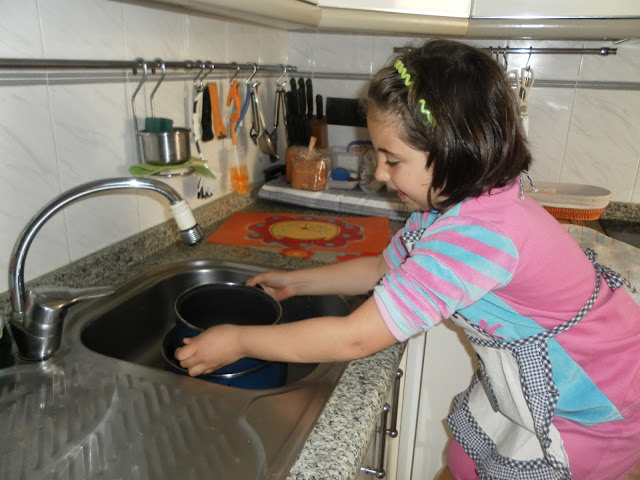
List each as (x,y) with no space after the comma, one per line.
(197,165)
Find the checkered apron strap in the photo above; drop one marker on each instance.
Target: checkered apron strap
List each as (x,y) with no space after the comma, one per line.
(411,237)
(613,278)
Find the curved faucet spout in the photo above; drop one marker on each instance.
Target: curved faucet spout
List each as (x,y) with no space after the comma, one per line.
(190,231)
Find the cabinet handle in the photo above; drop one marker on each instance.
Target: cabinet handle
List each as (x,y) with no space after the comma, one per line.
(393,430)
(379,471)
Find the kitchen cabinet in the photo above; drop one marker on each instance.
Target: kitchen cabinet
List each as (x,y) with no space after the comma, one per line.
(451,8)
(554,9)
(438,365)
(546,19)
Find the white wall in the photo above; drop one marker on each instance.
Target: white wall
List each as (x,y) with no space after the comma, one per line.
(587,136)
(58,133)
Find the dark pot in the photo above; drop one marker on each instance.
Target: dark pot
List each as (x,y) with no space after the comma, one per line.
(205,306)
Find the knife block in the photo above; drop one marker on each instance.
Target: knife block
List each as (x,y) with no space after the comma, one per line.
(318,128)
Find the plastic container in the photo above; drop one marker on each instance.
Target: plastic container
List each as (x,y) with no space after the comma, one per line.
(341,157)
(567,201)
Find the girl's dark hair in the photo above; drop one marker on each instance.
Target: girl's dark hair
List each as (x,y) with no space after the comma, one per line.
(476,142)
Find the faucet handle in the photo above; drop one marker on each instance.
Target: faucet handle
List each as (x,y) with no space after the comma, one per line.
(38,330)
(45,304)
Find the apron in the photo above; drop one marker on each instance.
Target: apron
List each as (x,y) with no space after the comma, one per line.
(504,421)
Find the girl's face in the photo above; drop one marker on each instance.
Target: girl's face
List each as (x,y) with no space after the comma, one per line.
(400,166)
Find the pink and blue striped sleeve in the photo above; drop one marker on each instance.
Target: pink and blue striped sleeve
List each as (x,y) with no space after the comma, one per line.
(455,263)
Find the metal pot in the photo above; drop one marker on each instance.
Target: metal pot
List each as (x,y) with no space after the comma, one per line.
(245,373)
(166,148)
(207,305)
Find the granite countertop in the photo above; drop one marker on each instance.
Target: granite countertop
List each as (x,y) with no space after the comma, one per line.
(336,447)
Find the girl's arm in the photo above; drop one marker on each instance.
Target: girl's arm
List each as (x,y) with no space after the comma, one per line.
(352,277)
(322,339)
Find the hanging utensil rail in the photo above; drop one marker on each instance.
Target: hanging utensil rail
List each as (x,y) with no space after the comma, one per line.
(60,64)
(603,51)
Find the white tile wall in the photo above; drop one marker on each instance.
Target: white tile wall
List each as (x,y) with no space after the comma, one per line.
(577,135)
(56,134)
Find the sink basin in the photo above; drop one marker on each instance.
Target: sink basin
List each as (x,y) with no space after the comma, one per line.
(131,325)
(176,423)
(105,407)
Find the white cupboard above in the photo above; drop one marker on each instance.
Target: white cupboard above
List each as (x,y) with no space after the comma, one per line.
(450,8)
(568,9)
(509,19)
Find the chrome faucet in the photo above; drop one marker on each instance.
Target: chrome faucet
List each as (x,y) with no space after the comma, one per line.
(37,320)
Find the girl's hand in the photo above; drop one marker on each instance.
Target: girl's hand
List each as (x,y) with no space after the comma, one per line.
(212,349)
(275,282)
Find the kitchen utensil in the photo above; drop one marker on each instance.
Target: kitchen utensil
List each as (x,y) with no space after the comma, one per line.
(210,304)
(203,189)
(159,148)
(207,305)
(219,128)
(238,173)
(165,148)
(319,107)
(263,139)
(302,112)
(206,122)
(318,125)
(279,111)
(522,81)
(155,124)
(293,134)
(309,91)
(247,372)
(302,96)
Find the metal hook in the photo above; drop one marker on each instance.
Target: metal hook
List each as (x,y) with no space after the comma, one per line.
(199,64)
(255,70)
(210,66)
(237,67)
(155,89)
(145,72)
(284,72)
(528,65)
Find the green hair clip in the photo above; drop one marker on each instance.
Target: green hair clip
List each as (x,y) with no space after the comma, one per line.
(402,70)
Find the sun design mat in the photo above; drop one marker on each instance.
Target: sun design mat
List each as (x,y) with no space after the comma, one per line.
(303,236)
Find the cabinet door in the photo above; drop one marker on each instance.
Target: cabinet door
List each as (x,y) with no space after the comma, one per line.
(554,9)
(450,8)
(439,365)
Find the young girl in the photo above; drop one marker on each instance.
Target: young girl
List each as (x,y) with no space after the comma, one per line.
(557,394)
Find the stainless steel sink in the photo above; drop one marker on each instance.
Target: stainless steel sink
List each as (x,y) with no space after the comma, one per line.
(105,407)
(132,324)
